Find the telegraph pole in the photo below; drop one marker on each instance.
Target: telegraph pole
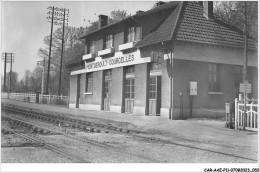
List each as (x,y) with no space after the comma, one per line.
(57,15)
(62,43)
(245,62)
(48,75)
(11,74)
(5,74)
(43,71)
(7,58)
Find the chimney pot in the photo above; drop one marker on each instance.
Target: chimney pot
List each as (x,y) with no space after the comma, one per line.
(103,21)
(208,9)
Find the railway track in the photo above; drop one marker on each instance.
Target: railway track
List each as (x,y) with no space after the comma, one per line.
(71,122)
(43,130)
(94,127)
(45,145)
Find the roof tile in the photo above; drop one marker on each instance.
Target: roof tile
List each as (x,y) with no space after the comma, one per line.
(194,27)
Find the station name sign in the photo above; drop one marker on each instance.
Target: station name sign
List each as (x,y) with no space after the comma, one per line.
(111,62)
(119,60)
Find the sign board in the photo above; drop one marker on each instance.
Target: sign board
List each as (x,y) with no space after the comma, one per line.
(227,108)
(119,60)
(193,88)
(245,87)
(157,57)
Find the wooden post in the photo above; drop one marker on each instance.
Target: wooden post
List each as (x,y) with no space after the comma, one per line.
(48,73)
(10,74)
(236,111)
(245,61)
(49,99)
(5,74)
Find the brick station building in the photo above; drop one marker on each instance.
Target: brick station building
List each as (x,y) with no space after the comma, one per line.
(176,60)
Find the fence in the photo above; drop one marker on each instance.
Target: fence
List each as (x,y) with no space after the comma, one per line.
(251,115)
(54,99)
(44,99)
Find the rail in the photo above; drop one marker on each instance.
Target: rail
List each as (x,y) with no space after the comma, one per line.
(48,146)
(251,115)
(33,98)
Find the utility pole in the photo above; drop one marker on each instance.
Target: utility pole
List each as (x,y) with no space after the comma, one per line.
(43,71)
(245,61)
(48,75)
(7,58)
(5,74)
(62,43)
(54,16)
(11,66)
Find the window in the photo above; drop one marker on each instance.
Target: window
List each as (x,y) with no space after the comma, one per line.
(130,82)
(109,41)
(107,83)
(130,34)
(89,83)
(92,47)
(213,77)
(238,77)
(238,69)
(155,66)
(130,69)
(86,49)
(152,90)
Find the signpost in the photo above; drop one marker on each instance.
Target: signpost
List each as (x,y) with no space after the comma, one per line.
(245,87)
(157,57)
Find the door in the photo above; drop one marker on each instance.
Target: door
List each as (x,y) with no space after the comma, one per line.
(107,89)
(129,95)
(78,91)
(155,95)
(107,95)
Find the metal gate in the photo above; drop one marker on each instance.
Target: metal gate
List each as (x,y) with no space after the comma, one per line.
(251,115)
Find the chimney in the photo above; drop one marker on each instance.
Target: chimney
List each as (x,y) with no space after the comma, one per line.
(103,19)
(208,9)
(160,3)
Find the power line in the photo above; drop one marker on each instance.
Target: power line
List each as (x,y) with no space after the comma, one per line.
(56,16)
(8,58)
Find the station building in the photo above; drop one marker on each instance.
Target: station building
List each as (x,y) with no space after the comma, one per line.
(176,60)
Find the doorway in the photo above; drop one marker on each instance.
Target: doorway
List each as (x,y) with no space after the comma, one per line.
(107,89)
(155,95)
(129,95)
(78,91)
(154,89)
(129,88)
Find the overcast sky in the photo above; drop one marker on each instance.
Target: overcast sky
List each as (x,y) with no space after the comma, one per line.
(24,24)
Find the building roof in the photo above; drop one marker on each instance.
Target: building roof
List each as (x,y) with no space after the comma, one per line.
(163,7)
(187,23)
